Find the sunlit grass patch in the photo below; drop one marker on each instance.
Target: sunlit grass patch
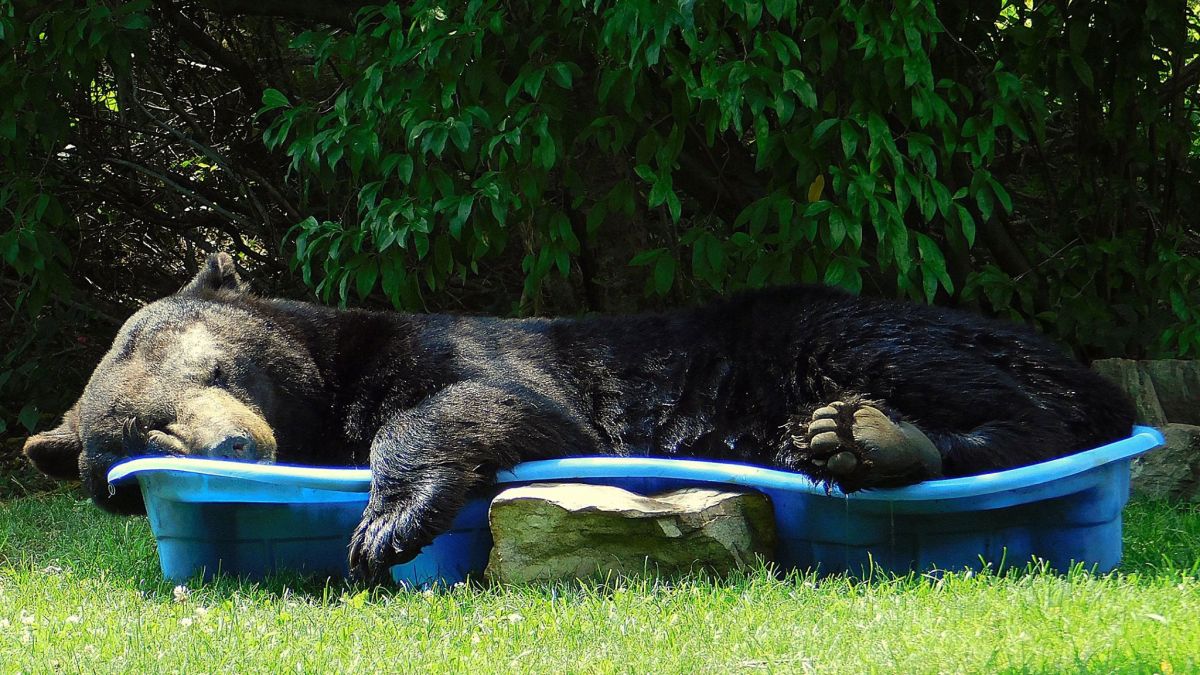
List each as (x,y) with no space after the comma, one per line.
(81,590)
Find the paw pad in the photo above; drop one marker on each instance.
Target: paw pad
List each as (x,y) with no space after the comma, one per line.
(856,445)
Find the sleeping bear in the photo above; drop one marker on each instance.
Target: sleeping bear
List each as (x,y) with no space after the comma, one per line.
(853,392)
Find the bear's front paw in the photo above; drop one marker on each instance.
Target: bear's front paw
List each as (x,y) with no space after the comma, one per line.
(380,541)
(855,445)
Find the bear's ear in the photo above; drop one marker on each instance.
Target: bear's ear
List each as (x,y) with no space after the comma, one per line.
(218,273)
(56,452)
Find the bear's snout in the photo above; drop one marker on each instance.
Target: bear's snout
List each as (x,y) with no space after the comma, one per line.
(238,445)
(217,425)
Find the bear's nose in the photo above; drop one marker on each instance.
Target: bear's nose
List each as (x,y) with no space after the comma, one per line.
(233,446)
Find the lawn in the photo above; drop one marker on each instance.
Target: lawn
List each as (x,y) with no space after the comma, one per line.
(81,591)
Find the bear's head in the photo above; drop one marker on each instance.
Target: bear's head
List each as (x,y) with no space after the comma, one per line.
(208,372)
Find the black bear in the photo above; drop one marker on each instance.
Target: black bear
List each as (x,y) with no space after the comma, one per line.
(855,392)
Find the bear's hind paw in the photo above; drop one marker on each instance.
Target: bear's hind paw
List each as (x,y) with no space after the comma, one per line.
(855,445)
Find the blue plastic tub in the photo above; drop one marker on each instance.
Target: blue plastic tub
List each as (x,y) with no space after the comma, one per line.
(213,516)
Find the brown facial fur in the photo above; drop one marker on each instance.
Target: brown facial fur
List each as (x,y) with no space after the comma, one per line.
(189,375)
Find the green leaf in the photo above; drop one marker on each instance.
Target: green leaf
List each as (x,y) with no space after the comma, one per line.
(794,81)
(967,223)
(817,208)
(658,193)
(983,198)
(1179,304)
(759,272)
(754,11)
(404,169)
(136,22)
(785,108)
(607,81)
(674,207)
(393,277)
(835,271)
(545,152)
(272,99)
(645,173)
(460,134)
(849,139)
(28,417)
(942,195)
(435,141)
(837,228)
(364,279)
(933,261)
(561,74)
(822,128)
(646,257)
(664,274)
(854,229)
(596,216)
(716,254)
(533,82)
(781,9)
(1082,70)
(1001,194)
(461,214)
(928,284)
(563,262)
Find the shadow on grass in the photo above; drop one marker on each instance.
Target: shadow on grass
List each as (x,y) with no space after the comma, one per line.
(58,531)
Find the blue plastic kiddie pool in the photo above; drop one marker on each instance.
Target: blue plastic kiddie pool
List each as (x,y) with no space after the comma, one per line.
(212,516)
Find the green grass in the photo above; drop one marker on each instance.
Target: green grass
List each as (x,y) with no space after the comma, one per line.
(81,591)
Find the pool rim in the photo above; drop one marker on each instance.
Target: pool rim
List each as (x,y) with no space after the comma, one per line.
(1025,478)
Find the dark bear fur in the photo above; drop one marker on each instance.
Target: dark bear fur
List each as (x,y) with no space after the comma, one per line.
(437,404)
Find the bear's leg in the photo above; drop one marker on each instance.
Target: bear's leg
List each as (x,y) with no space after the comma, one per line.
(859,443)
(1004,444)
(429,460)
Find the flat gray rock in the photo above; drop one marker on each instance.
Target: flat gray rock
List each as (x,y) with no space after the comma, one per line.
(1171,472)
(1177,386)
(551,531)
(1131,377)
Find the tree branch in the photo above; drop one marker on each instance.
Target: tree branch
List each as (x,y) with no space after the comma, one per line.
(56,297)
(337,13)
(1186,77)
(238,69)
(181,189)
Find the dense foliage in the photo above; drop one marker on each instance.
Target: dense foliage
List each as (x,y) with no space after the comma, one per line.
(1038,161)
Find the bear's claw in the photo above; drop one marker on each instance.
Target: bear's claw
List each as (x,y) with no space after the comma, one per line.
(375,546)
